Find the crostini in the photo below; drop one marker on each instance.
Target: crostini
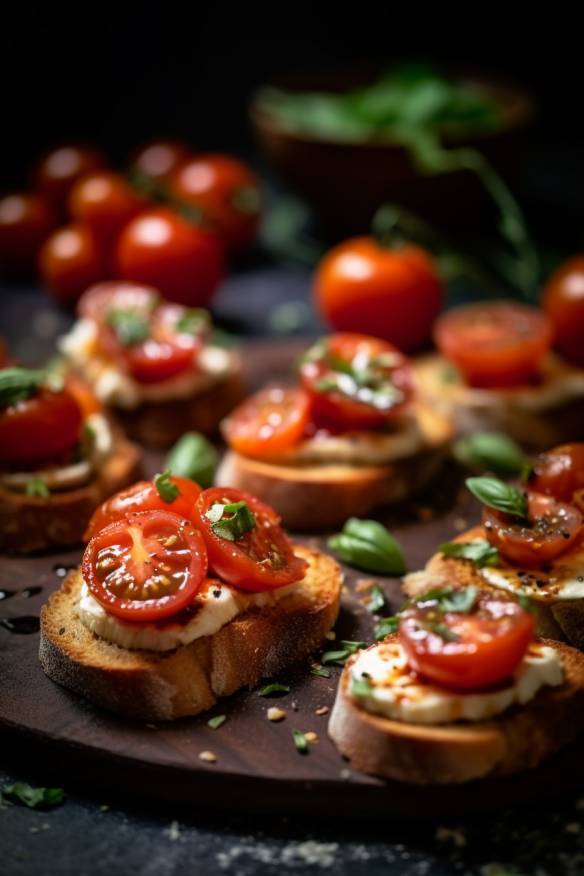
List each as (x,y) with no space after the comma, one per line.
(184,596)
(349,437)
(496,371)
(60,457)
(153,363)
(530,543)
(461,691)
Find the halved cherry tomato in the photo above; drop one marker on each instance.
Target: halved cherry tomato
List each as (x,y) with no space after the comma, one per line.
(163,250)
(469,651)
(148,566)
(144,496)
(392,293)
(119,294)
(563,301)
(70,260)
(551,529)
(579,500)
(268,422)
(227,193)
(262,558)
(355,382)
(60,169)
(39,429)
(495,344)
(158,159)
(103,201)
(559,472)
(26,220)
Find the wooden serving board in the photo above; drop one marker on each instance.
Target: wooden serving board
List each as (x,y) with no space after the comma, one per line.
(258,767)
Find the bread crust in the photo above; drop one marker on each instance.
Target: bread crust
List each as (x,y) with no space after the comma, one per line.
(161,686)
(315,497)
(561,620)
(516,740)
(34,523)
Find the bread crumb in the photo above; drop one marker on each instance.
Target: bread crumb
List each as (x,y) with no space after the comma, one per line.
(294,705)
(322,710)
(276,714)
(460,524)
(173,831)
(208,756)
(311,736)
(364,584)
(104,807)
(345,775)
(331,635)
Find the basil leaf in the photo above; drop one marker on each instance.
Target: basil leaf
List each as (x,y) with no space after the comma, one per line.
(300,741)
(215,722)
(368,545)
(457,599)
(320,671)
(339,656)
(194,321)
(37,487)
(241,520)
(386,627)
(376,599)
(34,798)
(129,326)
(479,551)
(18,384)
(361,687)
(275,688)
(496,494)
(167,491)
(441,630)
(491,451)
(195,458)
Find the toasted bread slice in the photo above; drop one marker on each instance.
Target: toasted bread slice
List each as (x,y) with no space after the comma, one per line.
(559,619)
(33,523)
(311,497)
(518,739)
(161,686)
(539,416)
(160,424)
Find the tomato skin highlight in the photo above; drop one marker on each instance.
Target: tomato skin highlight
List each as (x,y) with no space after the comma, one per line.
(71,260)
(143,496)
(394,294)
(26,220)
(489,645)
(563,301)
(158,159)
(59,169)
(268,422)
(150,550)
(263,559)
(552,528)
(39,429)
(494,344)
(559,472)
(105,203)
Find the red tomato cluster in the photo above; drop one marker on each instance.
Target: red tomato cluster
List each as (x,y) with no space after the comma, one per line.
(170,222)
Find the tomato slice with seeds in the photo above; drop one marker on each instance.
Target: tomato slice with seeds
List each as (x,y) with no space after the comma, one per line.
(39,429)
(144,496)
(550,530)
(559,472)
(268,422)
(145,567)
(495,344)
(257,559)
(466,651)
(355,382)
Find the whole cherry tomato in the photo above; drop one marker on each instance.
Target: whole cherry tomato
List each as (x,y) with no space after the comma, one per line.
(563,301)
(158,159)
(466,650)
(70,260)
(227,193)
(145,567)
(163,250)
(39,429)
(60,168)
(394,294)
(559,472)
(104,202)
(26,220)
(268,422)
(495,344)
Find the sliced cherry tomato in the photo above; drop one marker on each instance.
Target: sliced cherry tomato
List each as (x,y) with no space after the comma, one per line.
(466,651)
(160,158)
(71,260)
(563,301)
(26,220)
(550,530)
(559,472)
(60,169)
(103,201)
(495,344)
(146,567)
(39,429)
(227,193)
(579,500)
(355,382)
(180,259)
(392,293)
(144,496)
(268,422)
(261,558)
(117,294)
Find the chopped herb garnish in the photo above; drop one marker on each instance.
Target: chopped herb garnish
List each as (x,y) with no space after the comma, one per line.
(300,741)
(215,722)
(18,384)
(240,519)
(339,656)
(368,545)
(194,321)
(376,599)
(320,671)
(37,487)
(479,551)
(361,687)
(499,495)
(458,599)
(525,602)
(193,457)
(386,627)
(130,327)
(34,798)
(441,630)
(490,451)
(167,491)
(272,689)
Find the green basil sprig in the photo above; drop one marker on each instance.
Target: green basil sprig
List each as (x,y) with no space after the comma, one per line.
(375,600)
(300,741)
(193,457)
(458,599)
(130,327)
(167,491)
(386,626)
(339,656)
(194,321)
(491,451)
(241,519)
(17,384)
(269,690)
(37,487)
(361,687)
(367,544)
(34,798)
(479,551)
(496,494)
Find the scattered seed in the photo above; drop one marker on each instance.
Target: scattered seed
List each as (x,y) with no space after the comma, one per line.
(276,714)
